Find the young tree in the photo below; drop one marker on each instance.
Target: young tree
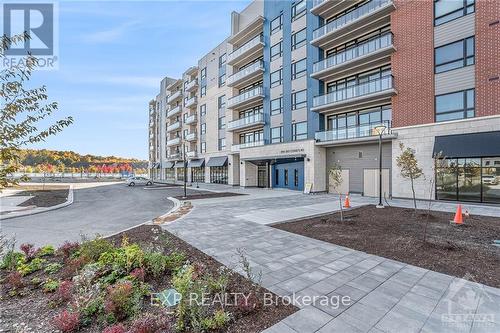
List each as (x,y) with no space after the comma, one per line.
(22,109)
(438,170)
(408,166)
(335,175)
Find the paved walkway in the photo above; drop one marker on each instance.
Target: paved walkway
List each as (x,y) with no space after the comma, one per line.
(386,295)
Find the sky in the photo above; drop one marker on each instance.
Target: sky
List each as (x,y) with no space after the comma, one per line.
(112,56)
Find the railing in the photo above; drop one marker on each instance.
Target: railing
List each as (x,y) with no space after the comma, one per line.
(247,145)
(191,136)
(191,84)
(173,126)
(191,119)
(245,96)
(253,119)
(354,52)
(174,96)
(350,17)
(192,153)
(353,132)
(370,87)
(245,47)
(174,155)
(190,101)
(174,111)
(174,141)
(317,2)
(245,72)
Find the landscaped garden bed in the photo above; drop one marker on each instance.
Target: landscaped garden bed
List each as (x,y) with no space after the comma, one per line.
(398,233)
(44,196)
(207,195)
(111,285)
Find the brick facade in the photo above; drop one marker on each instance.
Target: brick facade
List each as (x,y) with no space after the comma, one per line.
(487,57)
(413,62)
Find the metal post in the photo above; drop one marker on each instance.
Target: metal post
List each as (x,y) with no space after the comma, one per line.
(380,205)
(185,169)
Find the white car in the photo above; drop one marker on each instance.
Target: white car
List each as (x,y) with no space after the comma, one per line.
(132,181)
(490,179)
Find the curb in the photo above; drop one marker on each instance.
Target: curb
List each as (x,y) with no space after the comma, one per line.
(69,201)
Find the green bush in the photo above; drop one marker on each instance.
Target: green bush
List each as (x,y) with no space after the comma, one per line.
(157,263)
(93,249)
(93,308)
(11,259)
(219,319)
(52,268)
(123,300)
(30,267)
(123,259)
(46,250)
(50,286)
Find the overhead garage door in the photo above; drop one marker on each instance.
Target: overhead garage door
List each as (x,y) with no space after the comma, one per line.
(370,182)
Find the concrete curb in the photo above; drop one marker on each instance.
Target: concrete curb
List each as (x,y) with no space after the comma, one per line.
(69,201)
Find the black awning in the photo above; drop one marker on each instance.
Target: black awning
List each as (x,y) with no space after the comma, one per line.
(217,161)
(196,163)
(179,164)
(483,144)
(169,165)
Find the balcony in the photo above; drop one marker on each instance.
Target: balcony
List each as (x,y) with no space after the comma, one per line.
(353,134)
(246,99)
(372,53)
(328,8)
(173,126)
(246,52)
(191,153)
(191,85)
(174,111)
(173,142)
(366,94)
(192,119)
(174,96)
(247,122)
(246,75)
(174,156)
(237,148)
(369,16)
(251,29)
(191,136)
(191,102)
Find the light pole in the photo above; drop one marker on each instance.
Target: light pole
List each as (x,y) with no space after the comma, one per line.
(380,130)
(184,168)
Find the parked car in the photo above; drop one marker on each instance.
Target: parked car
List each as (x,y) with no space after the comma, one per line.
(132,181)
(490,179)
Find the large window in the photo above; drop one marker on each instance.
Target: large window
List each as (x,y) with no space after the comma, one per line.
(447,10)
(276,106)
(276,50)
(180,174)
(299,69)
(277,134)
(222,143)
(359,123)
(468,179)
(170,173)
(366,79)
(276,78)
(222,122)
(255,136)
(457,105)
(298,9)
(277,24)
(218,175)
(221,102)
(299,131)
(299,39)
(203,147)
(198,175)
(203,110)
(203,91)
(455,55)
(203,128)
(299,99)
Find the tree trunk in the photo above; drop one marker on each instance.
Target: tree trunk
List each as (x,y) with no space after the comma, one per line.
(414,197)
(341,209)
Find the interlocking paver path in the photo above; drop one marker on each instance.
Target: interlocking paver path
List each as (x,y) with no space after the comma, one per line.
(386,295)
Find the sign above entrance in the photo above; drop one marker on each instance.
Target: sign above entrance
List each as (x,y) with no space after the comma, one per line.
(292,151)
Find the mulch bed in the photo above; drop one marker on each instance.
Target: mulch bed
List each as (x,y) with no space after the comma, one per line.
(30,310)
(44,198)
(397,233)
(208,195)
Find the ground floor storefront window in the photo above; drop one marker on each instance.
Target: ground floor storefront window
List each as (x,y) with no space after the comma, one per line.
(469,179)
(198,175)
(180,174)
(218,175)
(170,173)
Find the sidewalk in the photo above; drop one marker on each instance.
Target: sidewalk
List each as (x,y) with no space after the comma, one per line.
(387,296)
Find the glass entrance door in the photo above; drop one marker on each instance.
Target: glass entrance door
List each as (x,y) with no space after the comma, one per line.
(262,176)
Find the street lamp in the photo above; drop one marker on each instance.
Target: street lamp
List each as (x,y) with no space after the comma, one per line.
(184,169)
(380,129)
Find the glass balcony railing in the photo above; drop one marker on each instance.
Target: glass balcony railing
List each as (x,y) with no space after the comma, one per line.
(174,141)
(352,16)
(245,47)
(192,153)
(353,132)
(191,136)
(190,102)
(247,145)
(247,95)
(191,84)
(174,96)
(191,119)
(173,126)
(258,65)
(174,111)
(359,90)
(246,121)
(354,52)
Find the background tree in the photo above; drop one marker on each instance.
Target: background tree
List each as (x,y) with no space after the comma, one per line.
(335,175)
(22,109)
(409,169)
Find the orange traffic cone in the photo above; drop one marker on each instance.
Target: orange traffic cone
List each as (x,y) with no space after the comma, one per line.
(458,216)
(347,202)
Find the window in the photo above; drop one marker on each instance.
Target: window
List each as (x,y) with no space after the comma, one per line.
(203,91)
(185,133)
(203,73)
(222,122)
(203,110)
(276,50)
(222,143)
(298,9)
(222,60)
(277,24)
(299,39)
(218,175)
(286,177)
(299,99)
(255,136)
(299,131)
(276,106)
(221,102)
(298,69)
(296,178)
(203,147)
(277,134)
(447,10)
(198,174)
(276,78)
(222,80)
(203,128)
(455,55)
(277,177)
(457,105)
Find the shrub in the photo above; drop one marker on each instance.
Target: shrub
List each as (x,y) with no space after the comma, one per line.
(64,292)
(219,319)
(28,250)
(175,261)
(157,263)
(93,249)
(36,282)
(52,268)
(46,250)
(122,300)
(138,274)
(68,248)
(50,286)
(15,280)
(30,267)
(119,328)
(91,309)
(123,259)
(149,324)
(72,266)
(11,259)
(66,321)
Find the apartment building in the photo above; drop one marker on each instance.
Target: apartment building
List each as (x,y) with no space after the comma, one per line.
(300,86)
